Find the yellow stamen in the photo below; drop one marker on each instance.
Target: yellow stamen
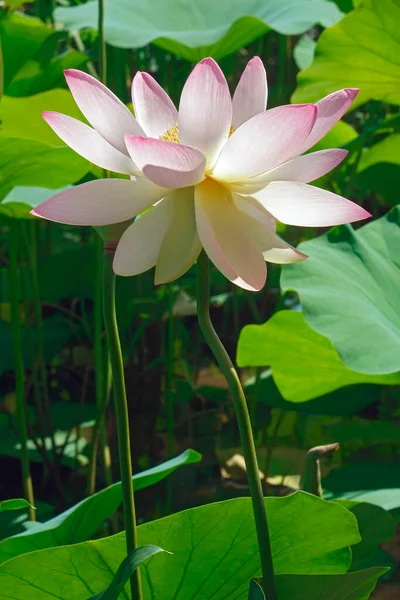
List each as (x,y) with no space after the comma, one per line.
(232,129)
(171,135)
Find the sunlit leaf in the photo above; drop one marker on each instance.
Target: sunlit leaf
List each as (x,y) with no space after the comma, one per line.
(81,521)
(304,364)
(198,28)
(214,549)
(32,163)
(348,289)
(358,52)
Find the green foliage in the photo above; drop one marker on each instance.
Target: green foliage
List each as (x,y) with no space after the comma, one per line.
(304,364)
(196,29)
(379,168)
(22,117)
(348,291)
(81,521)
(360,51)
(351,586)
(31,163)
(376,525)
(214,551)
(389,499)
(15,504)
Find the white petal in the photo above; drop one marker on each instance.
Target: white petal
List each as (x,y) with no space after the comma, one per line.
(250,97)
(104,111)
(307,206)
(90,144)
(330,110)
(205,110)
(139,246)
(166,163)
(264,142)
(262,227)
(153,108)
(181,245)
(305,168)
(100,202)
(227,242)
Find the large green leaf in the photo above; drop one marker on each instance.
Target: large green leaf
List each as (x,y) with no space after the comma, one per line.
(81,521)
(214,552)
(304,364)
(198,28)
(348,289)
(351,586)
(32,163)
(361,51)
(22,117)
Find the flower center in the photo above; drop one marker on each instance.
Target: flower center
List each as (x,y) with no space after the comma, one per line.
(171,135)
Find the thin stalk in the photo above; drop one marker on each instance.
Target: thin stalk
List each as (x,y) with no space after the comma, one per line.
(33,262)
(121,411)
(169,390)
(19,368)
(102,379)
(243,419)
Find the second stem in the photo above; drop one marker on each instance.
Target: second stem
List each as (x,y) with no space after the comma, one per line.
(243,419)
(121,411)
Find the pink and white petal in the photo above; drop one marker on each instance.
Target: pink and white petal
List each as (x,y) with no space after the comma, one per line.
(262,226)
(305,168)
(90,144)
(228,244)
(300,204)
(250,97)
(264,142)
(253,209)
(154,109)
(181,245)
(100,202)
(104,111)
(167,164)
(139,246)
(205,110)
(330,110)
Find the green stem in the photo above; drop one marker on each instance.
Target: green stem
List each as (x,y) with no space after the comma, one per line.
(121,411)
(19,368)
(243,419)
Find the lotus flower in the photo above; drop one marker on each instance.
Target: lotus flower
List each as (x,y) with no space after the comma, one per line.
(216,174)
